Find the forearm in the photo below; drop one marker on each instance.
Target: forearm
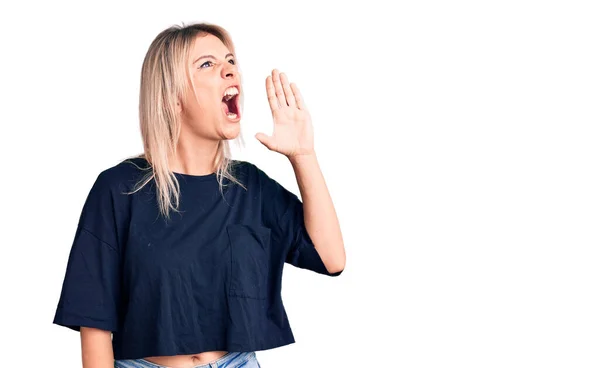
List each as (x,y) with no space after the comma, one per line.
(96,348)
(320,217)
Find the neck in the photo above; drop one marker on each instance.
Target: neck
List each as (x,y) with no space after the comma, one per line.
(195,157)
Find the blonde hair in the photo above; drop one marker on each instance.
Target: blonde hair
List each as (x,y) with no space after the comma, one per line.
(164,77)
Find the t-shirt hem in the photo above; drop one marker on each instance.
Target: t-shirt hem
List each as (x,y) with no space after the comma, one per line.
(75,322)
(228,348)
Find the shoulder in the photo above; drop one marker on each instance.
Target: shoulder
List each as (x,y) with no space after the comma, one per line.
(113,183)
(105,211)
(123,174)
(258,179)
(132,168)
(255,176)
(246,171)
(242,166)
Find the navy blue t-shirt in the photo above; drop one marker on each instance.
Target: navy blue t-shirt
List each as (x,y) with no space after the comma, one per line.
(207,279)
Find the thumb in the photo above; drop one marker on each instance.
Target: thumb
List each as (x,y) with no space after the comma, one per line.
(266,140)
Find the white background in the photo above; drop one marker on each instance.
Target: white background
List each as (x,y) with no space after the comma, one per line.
(459,141)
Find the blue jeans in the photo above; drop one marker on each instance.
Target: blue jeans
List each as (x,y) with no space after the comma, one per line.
(229,360)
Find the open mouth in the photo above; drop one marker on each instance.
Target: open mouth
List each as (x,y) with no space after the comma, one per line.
(230,103)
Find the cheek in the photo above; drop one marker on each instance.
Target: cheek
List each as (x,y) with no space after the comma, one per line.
(201,104)
(208,101)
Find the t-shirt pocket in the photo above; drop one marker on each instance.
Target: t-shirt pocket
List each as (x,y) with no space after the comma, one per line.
(249,246)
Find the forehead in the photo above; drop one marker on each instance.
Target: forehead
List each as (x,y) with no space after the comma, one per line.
(209,44)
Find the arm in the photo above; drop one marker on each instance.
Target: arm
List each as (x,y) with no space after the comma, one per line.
(293,137)
(89,301)
(320,217)
(96,348)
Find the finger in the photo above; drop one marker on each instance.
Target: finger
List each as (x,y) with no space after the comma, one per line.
(278,88)
(266,140)
(273,102)
(289,95)
(297,96)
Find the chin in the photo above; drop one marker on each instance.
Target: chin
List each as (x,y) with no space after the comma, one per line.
(231,132)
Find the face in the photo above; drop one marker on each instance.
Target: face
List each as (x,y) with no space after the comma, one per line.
(211,108)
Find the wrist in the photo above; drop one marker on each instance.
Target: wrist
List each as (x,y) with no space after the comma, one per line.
(303,158)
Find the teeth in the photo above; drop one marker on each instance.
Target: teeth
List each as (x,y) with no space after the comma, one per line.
(231,115)
(230,92)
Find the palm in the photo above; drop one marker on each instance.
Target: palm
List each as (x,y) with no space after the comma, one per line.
(292,130)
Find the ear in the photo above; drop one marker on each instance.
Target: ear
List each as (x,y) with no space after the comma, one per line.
(179,107)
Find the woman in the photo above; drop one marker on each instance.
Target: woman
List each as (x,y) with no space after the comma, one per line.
(179,251)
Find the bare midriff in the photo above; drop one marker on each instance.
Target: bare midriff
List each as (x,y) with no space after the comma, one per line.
(187,361)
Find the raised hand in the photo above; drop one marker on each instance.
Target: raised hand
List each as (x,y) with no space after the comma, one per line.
(292,126)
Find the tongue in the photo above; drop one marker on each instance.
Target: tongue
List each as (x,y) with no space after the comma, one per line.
(225,107)
(230,106)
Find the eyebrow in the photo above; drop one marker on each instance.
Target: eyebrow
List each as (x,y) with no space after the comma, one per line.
(210,57)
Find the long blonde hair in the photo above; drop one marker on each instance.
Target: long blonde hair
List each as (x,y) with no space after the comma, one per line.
(163,82)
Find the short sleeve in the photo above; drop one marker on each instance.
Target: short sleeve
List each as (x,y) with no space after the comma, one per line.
(284,213)
(91,285)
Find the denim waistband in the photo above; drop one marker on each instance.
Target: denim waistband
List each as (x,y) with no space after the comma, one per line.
(229,360)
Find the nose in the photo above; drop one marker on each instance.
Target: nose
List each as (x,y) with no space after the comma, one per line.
(229,71)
